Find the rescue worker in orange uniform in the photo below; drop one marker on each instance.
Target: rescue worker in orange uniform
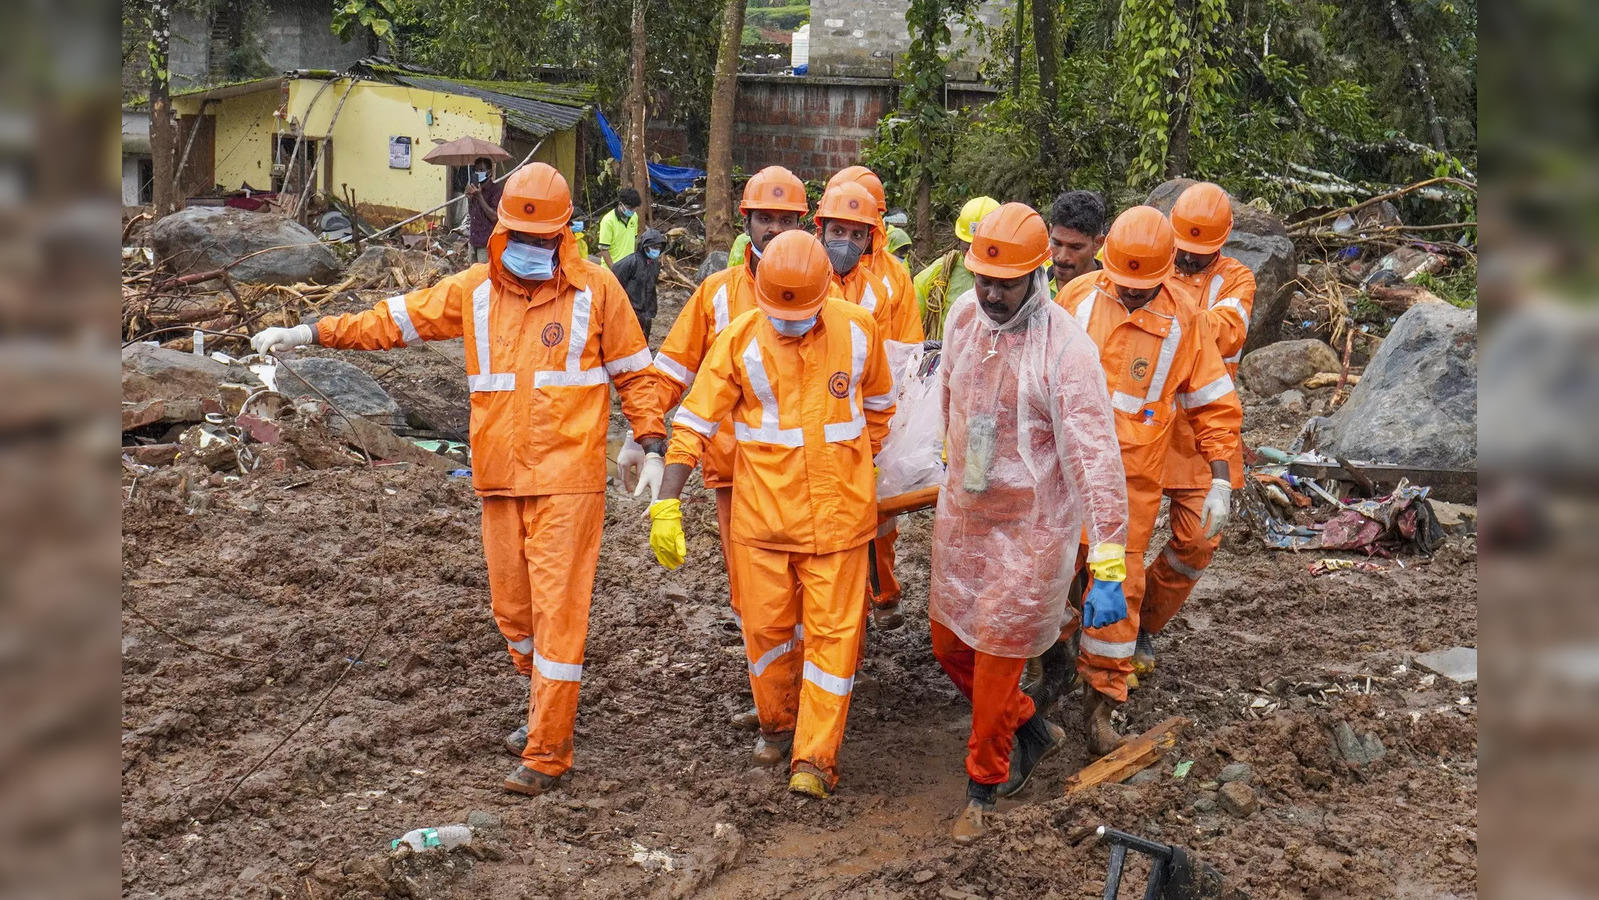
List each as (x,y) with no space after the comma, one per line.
(1223,290)
(1161,364)
(773,202)
(806,383)
(849,221)
(1033,461)
(546,334)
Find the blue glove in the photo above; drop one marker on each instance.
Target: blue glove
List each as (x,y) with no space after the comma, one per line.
(1105,604)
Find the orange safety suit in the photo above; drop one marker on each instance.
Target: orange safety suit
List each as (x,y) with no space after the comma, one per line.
(1224,293)
(808,414)
(1161,364)
(540,357)
(882,285)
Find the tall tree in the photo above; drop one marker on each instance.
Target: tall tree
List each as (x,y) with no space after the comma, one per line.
(719,158)
(163,130)
(635,164)
(1045,47)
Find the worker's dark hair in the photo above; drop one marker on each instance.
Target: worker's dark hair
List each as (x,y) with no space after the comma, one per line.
(628,197)
(1080,211)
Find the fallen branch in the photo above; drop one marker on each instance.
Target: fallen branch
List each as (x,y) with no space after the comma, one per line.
(1399,192)
(1129,759)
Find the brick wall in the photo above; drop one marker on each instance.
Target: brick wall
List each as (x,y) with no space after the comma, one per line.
(814,126)
(863,38)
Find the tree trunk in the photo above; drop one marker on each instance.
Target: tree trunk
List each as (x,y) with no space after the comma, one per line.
(719,159)
(635,165)
(1180,121)
(163,132)
(1423,81)
(1016,52)
(924,246)
(1048,91)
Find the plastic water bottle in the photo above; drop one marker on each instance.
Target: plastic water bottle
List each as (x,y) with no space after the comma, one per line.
(444,837)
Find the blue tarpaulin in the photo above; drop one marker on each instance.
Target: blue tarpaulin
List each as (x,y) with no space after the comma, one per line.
(671,179)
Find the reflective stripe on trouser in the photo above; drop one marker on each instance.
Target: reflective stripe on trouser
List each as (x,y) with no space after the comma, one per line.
(724,522)
(1179,564)
(542,552)
(1105,655)
(993,685)
(803,618)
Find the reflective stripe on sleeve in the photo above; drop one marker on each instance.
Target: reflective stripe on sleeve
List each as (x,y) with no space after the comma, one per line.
(691,421)
(402,319)
(673,369)
(1210,393)
(632,362)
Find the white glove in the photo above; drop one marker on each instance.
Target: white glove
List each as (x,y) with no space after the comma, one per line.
(1218,505)
(279,340)
(628,463)
(650,476)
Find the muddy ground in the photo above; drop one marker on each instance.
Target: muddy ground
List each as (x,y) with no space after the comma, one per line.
(244,601)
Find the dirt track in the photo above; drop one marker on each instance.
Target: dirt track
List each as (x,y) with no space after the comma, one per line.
(295,571)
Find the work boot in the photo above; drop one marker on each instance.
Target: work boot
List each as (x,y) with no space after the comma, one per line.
(516,741)
(1036,741)
(1102,736)
(1144,654)
(747,720)
(806,780)
(772,751)
(969,824)
(530,781)
(887,618)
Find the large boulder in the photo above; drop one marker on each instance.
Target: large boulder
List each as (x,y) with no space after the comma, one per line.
(150,373)
(1278,367)
(1259,241)
(1416,403)
(206,238)
(715,261)
(353,391)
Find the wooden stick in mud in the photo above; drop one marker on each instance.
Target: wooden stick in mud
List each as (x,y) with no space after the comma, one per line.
(1131,758)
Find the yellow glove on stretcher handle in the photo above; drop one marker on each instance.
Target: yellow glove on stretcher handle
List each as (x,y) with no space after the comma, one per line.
(666,532)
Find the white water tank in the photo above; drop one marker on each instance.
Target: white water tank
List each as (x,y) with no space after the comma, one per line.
(800,53)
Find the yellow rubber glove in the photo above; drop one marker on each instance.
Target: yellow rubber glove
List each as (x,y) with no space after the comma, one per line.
(1108,562)
(666,532)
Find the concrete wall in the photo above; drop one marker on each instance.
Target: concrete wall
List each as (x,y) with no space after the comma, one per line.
(814,126)
(296,34)
(864,38)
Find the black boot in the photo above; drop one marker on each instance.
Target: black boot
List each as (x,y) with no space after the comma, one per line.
(1035,741)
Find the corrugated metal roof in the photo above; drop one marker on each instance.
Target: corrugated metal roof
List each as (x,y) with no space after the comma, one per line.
(533,107)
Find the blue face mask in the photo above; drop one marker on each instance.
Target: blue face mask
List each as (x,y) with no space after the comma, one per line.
(625,214)
(577,226)
(480,177)
(792,327)
(653,252)
(528,261)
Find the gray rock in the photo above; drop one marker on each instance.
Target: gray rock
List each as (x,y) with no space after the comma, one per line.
(1237,771)
(1457,664)
(1285,365)
(1239,799)
(1147,776)
(715,261)
(353,391)
(923,876)
(150,373)
(478,818)
(1259,241)
(1416,403)
(1205,803)
(1357,749)
(203,238)
(1543,351)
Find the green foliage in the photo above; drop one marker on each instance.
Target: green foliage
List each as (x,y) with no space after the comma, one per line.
(1458,287)
(777,18)
(378,15)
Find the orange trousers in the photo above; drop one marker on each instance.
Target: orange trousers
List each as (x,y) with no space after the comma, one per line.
(888,590)
(1105,655)
(542,552)
(993,685)
(1180,563)
(802,621)
(724,522)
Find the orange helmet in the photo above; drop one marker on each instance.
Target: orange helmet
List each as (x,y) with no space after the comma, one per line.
(848,202)
(1140,248)
(1009,242)
(866,178)
(774,187)
(1202,218)
(536,200)
(794,276)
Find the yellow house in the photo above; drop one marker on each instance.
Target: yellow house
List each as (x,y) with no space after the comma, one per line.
(359,136)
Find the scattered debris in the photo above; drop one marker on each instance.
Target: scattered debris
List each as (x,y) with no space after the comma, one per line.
(1136,755)
(1357,749)
(1239,799)
(1237,771)
(352,390)
(249,246)
(1285,365)
(1458,664)
(444,837)
(1329,566)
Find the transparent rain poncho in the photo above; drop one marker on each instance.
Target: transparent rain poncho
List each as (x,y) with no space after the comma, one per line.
(1033,459)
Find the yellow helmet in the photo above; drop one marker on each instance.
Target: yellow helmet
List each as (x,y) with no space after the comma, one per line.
(972,213)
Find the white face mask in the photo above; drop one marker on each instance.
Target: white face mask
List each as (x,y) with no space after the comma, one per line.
(792,327)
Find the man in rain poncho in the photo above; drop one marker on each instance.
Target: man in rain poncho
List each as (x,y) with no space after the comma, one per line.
(1033,460)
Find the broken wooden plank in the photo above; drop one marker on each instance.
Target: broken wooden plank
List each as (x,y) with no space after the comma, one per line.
(1386,473)
(1131,758)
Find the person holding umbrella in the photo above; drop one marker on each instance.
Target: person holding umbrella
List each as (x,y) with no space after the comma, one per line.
(482,203)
